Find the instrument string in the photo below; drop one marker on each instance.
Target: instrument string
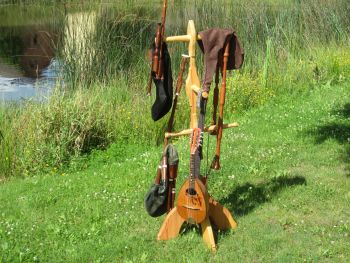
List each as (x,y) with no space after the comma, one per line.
(207,171)
(189,185)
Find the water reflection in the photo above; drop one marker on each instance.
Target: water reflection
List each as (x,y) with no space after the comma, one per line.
(27,57)
(94,43)
(15,86)
(37,53)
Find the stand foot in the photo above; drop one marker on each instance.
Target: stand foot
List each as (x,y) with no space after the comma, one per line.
(208,234)
(171,225)
(221,216)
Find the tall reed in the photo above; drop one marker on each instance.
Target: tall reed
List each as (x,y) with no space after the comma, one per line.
(125,31)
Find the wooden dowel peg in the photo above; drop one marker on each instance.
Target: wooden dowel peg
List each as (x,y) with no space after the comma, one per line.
(182,38)
(195,88)
(206,129)
(205,95)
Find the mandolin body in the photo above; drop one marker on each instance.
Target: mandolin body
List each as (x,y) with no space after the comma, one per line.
(193,206)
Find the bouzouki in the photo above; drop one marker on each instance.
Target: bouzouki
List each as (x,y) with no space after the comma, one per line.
(193,201)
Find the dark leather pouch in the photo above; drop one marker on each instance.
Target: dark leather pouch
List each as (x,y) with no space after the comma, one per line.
(156,199)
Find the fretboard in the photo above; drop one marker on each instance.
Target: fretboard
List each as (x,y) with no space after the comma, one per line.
(194,168)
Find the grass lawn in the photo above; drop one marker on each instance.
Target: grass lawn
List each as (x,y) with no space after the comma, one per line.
(285,177)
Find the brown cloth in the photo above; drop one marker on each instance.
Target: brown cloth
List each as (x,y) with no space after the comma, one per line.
(212,45)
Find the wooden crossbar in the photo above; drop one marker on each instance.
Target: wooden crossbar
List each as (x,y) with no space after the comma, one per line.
(206,129)
(183,38)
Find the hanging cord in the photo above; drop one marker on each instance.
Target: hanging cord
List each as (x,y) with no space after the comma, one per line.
(207,171)
(203,108)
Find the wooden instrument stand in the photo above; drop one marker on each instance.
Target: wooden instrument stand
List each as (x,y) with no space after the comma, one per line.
(217,213)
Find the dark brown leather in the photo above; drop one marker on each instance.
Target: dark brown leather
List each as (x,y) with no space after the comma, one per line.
(212,45)
(164,87)
(172,171)
(158,176)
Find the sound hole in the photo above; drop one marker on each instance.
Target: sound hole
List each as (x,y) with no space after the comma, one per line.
(191,191)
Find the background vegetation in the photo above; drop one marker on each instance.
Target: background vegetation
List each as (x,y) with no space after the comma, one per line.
(290,47)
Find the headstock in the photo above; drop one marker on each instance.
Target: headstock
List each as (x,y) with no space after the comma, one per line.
(196,139)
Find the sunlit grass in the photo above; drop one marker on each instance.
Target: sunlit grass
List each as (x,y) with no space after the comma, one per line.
(284,177)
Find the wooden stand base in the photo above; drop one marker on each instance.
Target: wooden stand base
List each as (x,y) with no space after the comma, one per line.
(218,214)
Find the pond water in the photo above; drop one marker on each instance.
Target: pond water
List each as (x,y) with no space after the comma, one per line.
(34,39)
(42,44)
(28,63)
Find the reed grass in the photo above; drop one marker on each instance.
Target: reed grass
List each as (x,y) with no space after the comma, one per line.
(290,46)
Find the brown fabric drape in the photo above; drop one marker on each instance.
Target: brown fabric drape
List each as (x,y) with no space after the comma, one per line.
(212,45)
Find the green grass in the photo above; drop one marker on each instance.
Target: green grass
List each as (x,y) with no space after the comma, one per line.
(285,177)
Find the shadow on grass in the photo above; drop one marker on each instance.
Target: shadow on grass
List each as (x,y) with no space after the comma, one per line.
(347,159)
(338,130)
(345,112)
(246,197)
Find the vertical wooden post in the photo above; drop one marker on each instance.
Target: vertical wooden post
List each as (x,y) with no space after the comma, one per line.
(192,82)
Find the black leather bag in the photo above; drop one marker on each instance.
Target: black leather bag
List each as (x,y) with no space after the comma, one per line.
(156,199)
(164,87)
